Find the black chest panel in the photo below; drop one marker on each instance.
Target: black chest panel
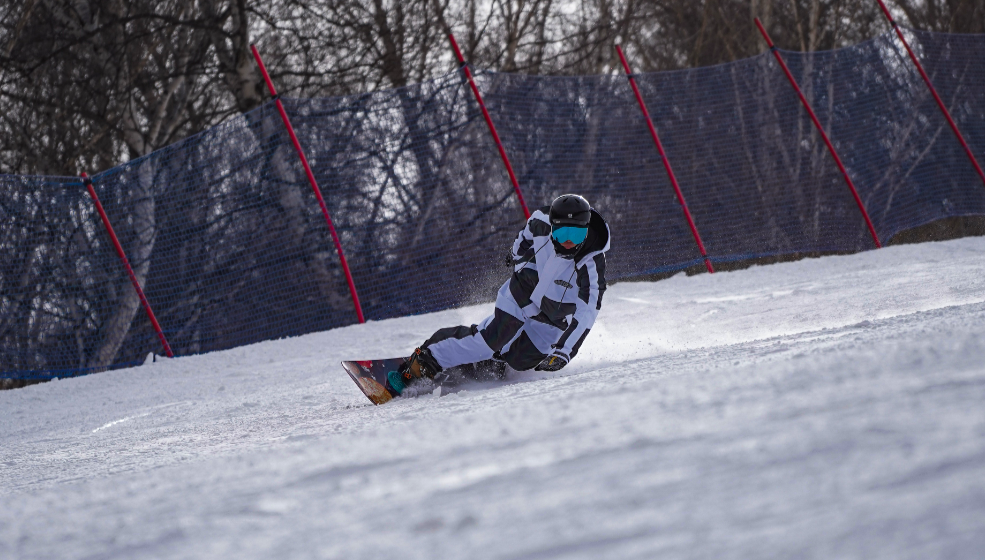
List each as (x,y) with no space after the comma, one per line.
(555,313)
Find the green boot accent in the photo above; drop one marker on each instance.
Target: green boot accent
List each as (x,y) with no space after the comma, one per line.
(395,381)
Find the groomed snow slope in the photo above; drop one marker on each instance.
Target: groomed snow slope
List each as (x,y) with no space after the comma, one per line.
(827,408)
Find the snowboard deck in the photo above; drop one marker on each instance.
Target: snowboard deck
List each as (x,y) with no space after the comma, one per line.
(370,377)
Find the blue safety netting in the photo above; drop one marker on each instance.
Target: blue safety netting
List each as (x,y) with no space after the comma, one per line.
(228,239)
(754,171)
(59,278)
(908,165)
(955,66)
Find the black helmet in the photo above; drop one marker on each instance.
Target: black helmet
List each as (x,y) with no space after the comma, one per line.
(569,211)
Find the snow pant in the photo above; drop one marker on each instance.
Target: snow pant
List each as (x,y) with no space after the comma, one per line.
(506,335)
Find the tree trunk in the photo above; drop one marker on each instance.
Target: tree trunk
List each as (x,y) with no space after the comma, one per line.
(115,330)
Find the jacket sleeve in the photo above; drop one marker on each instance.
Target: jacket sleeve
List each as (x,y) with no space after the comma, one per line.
(531,238)
(591,285)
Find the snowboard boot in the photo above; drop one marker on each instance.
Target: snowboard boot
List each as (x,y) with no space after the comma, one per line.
(420,364)
(395,382)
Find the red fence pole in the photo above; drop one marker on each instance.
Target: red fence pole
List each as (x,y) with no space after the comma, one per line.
(126,264)
(314,184)
(820,129)
(489,122)
(933,91)
(663,156)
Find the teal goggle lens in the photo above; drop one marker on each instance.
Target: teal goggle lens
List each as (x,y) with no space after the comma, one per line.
(575,235)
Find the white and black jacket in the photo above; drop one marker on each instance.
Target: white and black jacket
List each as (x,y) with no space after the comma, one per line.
(563,292)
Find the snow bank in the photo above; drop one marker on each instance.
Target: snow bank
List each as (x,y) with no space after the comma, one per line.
(822,408)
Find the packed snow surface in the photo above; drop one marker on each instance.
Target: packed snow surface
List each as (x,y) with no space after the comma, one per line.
(827,408)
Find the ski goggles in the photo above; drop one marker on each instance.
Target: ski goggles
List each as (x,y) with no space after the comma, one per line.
(575,235)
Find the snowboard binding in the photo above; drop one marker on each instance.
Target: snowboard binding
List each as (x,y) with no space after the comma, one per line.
(420,364)
(383,379)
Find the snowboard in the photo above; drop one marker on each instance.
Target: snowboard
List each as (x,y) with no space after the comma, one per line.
(370,377)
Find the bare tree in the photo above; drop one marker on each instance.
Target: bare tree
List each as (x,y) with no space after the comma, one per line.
(951,16)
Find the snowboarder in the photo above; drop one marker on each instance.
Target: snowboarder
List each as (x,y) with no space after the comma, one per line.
(543,312)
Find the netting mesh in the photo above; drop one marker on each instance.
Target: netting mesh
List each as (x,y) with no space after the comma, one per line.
(231,246)
(422,203)
(909,167)
(60,279)
(955,66)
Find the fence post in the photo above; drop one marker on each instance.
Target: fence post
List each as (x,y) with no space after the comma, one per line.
(312,182)
(666,162)
(126,264)
(820,129)
(933,91)
(492,128)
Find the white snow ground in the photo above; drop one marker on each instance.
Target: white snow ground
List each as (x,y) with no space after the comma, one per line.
(827,408)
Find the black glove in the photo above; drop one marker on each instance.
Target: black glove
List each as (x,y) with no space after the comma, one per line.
(554,362)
